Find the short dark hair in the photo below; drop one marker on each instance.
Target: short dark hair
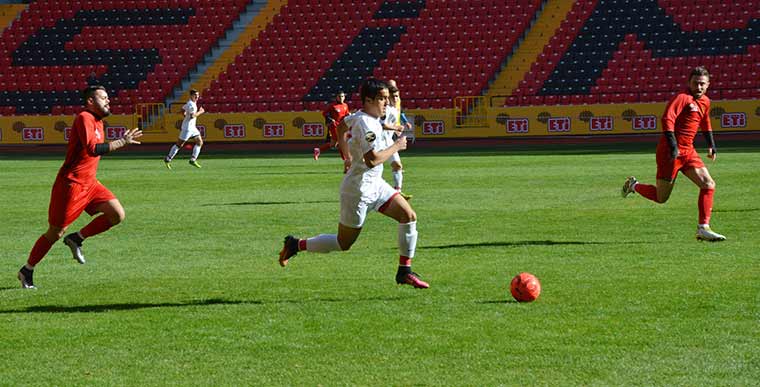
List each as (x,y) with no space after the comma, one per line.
(89,92)
(193,91)
(699,71)
(371,88)
(339,93)
(392,89)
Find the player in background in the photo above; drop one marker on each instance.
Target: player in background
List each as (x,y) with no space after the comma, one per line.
(189,132)
(394,124)
(684,115)
(76,188)
(334,114)
(363,188)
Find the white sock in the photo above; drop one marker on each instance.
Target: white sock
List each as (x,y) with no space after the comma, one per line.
(398,179)
(407,239)
(172,152)
(323,243)
(196,151)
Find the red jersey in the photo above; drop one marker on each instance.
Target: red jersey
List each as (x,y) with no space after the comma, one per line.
(684,115)
(336,111)
(81,163)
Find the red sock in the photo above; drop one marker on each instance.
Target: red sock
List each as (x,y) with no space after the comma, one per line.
(647,190)
(325,147)
(705,204)
(302,245)
(41,247)
(404,261)
(98,225)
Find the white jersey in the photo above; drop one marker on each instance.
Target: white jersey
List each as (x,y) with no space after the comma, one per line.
(366,134)
(363,188)
(190,109)
(392,120)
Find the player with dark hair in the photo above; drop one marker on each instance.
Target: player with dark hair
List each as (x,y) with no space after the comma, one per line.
(76,188)
(363,188)
(189,132)
(334,114)
(686,113)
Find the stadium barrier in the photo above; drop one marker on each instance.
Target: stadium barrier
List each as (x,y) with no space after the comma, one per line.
(162,125)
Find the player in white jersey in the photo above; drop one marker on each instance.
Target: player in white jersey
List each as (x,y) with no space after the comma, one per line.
(393,128)
(189,131)
(363,188)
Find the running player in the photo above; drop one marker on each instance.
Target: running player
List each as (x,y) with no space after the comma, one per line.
(684,115)
(76,188)
(334,115)
(189,132)
(394,125)
(363,188)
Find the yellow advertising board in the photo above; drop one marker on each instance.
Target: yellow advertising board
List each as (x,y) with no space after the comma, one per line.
(572,120)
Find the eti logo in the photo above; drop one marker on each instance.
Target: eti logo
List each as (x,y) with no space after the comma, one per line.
(33,134)
(115,132)
(517,125)
(558,124)
(273,130)
(313,129)
(603,123)
(644,122)
(67,133)
(434,128)
(234,131)
(733,120)
(202,129)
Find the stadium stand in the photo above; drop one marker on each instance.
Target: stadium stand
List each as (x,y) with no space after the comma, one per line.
(615,51)
(138,49)
(436,50)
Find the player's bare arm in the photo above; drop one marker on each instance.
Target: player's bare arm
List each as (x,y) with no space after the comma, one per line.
(373,158)
(130,137)
(199,112)
(343,143)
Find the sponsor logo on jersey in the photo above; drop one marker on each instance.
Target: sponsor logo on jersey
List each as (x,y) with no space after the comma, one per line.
(370,137)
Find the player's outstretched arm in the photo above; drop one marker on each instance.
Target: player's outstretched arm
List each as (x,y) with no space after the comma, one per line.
(130,137)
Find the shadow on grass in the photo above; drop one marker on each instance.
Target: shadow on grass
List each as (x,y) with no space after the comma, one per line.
(268,203)
(739,210)
(101,308)
(498,302)
(515,244)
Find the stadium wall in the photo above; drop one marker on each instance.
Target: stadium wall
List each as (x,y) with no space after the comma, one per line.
(595,120)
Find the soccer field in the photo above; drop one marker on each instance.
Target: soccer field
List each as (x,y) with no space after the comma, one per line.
(187,290)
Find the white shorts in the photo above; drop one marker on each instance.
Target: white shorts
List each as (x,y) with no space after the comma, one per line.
(353,208)
(189,133)
(395,158)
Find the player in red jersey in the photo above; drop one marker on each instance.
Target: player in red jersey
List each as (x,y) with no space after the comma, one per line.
(76,188)
(334,114)
(685,114)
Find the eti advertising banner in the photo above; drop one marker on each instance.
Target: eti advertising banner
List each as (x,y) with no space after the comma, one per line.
(431,123)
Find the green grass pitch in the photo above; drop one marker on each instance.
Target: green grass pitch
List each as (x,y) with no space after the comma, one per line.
(187,291)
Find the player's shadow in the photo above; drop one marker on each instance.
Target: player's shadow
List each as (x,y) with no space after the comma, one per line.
(738,210)
(498,302)
(101,308)
(268,203)
(513,244)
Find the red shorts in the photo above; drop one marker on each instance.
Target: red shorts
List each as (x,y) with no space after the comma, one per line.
(333,133)
(667,169)
(68,200)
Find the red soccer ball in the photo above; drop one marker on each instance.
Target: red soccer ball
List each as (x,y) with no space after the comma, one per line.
(525,287)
